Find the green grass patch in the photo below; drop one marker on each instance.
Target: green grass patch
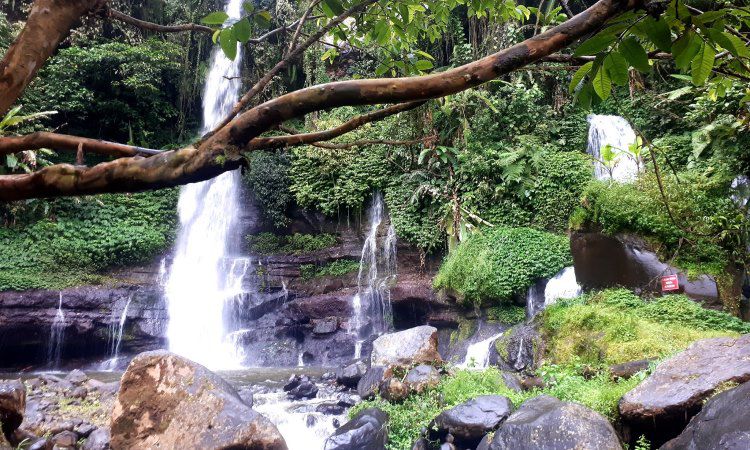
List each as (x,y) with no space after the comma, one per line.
(294,244)
(335,268)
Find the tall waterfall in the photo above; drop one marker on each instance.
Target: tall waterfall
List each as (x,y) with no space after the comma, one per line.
(618,134)
(377,269)
(202,276)
(57,336)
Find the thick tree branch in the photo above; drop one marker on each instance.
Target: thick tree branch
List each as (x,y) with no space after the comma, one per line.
(144,25)
(64,142)
(222,151)
(366,142)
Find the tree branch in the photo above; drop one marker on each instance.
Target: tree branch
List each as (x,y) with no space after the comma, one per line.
(64,142)
(222,151)
(144,25)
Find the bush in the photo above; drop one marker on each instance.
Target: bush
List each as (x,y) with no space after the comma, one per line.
(267,177)
(417,222)
(297,243)
(335,268)
(494,264)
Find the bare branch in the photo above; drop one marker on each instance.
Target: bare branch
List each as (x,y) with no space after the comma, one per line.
(64,142)
(142,24)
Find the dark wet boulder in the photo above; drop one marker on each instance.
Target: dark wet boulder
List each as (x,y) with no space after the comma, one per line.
(97,440)
(469,422)
(306,389)
(723,423)
(661,406)
(331,409)
(366,431)
(168,401)
(422,377)
(368,385)
(12,405)
(65,440)
(547,423)
(406,348)
(350,375)
(520,349)
(628,369)
(77,377)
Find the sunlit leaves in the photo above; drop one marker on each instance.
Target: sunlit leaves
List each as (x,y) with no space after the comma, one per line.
(228,42)
(229,32)
(602,84)
(215,18)
(702,64)
(632,50)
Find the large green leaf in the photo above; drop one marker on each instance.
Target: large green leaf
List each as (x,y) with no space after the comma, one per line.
(684,49)
(617,67)
(596,44)
(602,83)
(228,43)
(702,64)
(242,30)
(579,75)
(659,33)
(632,50)
(215,18)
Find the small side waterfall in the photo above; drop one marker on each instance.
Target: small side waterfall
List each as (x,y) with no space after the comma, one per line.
(116,327)
(205,275)
(546,292)
(57,336)
(618,134)
(478,353)
(377,269)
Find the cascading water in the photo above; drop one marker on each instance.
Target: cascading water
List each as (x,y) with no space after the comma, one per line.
(619,135)
(202,277)
(377,269)
(116,327)
(478,353)
(57,336)
(546,292)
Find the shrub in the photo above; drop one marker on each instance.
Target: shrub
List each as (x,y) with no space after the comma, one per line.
(335,268)
(495,263)
(267,177)
(297,243)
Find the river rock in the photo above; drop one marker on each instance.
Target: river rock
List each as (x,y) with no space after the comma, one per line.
(65,440)
(306,389)
(406,348)
(662,405)
(469,422)
(168,401)
(350,375)
(723,423)
(12,405)
(77,376)
(628,369)
(366,431)
(97,440)
(422,377)
(368,385)
(546,422)
(394,390)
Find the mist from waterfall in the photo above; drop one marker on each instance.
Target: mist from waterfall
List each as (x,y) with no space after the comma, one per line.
(616,132)
(377,269)
(202,277)
(57,336)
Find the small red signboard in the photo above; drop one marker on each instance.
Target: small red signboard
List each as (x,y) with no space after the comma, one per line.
(670,283)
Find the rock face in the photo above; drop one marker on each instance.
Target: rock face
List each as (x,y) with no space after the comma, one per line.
(170,402)
(405,348)
(546,422)
(350,375)
(366,431)
(12,405)
(422,377)
(520,349)
(676,389)
(603,261)
(368,385)
(723,423)
(469,422)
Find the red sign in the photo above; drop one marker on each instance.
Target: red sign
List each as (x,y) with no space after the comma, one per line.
(670,283)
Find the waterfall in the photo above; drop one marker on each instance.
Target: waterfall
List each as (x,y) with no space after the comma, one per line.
(478,353)
(203,275)
(546,292)
(618,134)
(116,327)
(57,336)
(377,269)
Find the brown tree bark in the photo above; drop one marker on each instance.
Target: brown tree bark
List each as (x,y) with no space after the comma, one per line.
(222,151)
(49,22)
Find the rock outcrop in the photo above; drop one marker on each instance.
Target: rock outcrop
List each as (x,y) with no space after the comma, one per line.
(723,423)
(171,402)
(12,405)
(662,405)
(546,422)
(406,348)
(520,349)
(469,422)
(366,431)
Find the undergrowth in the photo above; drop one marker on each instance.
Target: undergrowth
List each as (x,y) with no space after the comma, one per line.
(295,244)
(335,268)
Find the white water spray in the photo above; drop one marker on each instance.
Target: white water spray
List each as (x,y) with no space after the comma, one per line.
(619,135)
(478,353)
(562,285)
(116,327)
(57,336)
(203,275)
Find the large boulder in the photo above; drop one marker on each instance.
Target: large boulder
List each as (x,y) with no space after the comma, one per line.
(547,423)
(422,377)
(406,348)
(469,422)
(369,384)
(366,431)
(662,405)
(723,423)
(12,405)
(350,375)
(167,401)
(520,349)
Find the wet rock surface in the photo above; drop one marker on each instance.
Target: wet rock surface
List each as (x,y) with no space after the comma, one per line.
(422,377)
(169,400)
(546,422)
(662,405)
(406,348)
(12,405)
(368,385)
(469,422)
(350,375)
(723,423)
(366,431)
(520,349)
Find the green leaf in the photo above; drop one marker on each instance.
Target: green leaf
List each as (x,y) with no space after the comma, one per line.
(262,19)
(332,6)
(242,30)
(249,7)
(632,50)
(684,49)
(215,18)
(702,64)
(595,44)
(228,43)
(422,155)
(423,65)
(602,84)
(215,37)
(617,67)
(579,75)
(659,33)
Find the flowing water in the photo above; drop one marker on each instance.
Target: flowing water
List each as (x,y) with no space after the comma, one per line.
(205,274)
(57,336)
(377,269)
(116,327)
(478,353)
(546,292)
(618,134)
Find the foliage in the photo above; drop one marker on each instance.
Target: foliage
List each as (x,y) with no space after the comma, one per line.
(297,243)
(113,90)
(267,177)
(415,220)
(496,263)
(616,326)
(506,314)
(335,268)
(27,160)
(77,238)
